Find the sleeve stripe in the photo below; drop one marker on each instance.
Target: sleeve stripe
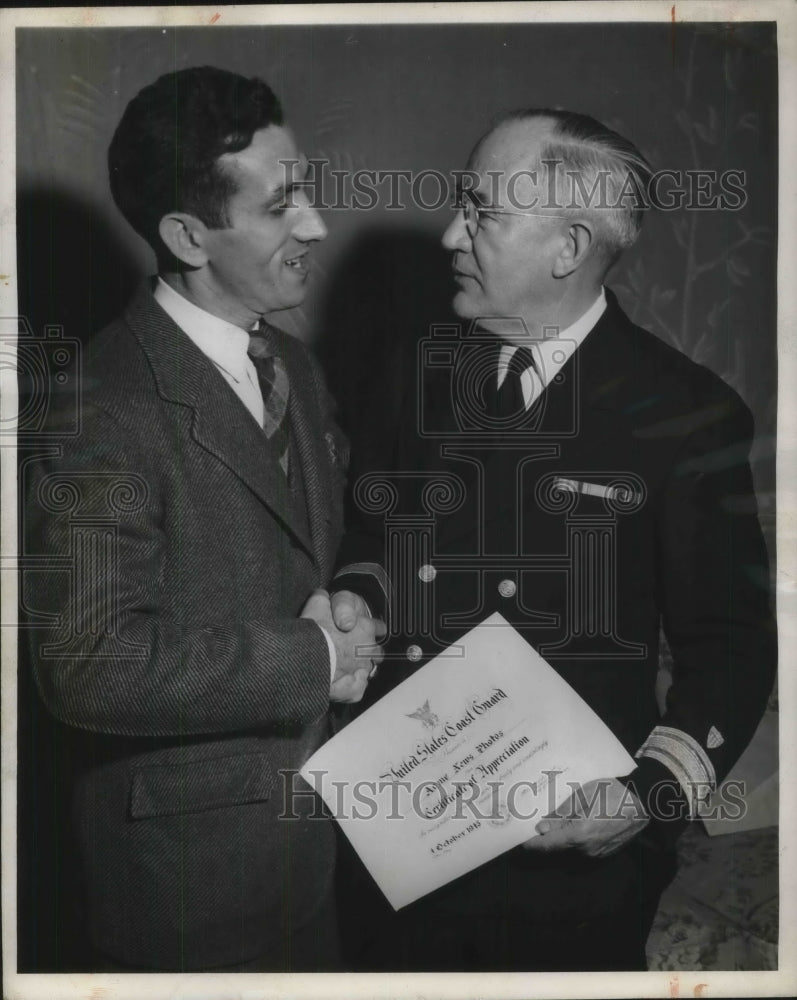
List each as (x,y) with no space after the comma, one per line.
(370,569)
(688,761)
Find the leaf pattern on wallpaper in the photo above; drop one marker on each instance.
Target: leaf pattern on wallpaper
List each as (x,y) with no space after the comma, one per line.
(336,159)
(748,121)
(83,110)
(335,114)
(707,270)
(709,131)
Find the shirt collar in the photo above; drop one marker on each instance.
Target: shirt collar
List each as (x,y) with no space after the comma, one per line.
(578,331)
(574,335)
(224,343)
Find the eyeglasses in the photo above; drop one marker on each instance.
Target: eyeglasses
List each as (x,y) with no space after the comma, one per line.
(473,213)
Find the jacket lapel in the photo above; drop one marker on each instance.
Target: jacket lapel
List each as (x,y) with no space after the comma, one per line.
(220,425)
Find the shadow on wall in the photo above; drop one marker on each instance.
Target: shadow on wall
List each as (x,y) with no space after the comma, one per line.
(73,271)
(384,294)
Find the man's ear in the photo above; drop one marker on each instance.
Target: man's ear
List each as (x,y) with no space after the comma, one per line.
(579,241)
(184,235)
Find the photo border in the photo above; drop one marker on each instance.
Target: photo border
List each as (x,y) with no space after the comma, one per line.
(196,986)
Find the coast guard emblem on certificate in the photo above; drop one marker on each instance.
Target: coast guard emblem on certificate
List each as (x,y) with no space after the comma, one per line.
(425,715)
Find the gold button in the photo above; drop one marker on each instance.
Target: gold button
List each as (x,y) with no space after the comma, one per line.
(507,588)
(414,653)
(427,573)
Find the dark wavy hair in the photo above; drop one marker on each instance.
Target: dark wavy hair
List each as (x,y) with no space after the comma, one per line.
(164,154)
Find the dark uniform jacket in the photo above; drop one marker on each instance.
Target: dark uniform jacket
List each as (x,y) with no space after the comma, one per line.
(622,503)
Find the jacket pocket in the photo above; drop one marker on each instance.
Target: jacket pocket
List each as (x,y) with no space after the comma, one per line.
(212,783)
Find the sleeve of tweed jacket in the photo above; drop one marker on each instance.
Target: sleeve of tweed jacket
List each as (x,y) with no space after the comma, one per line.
(107,658)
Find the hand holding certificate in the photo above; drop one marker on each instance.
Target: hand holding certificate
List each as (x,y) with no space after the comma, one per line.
(458,764)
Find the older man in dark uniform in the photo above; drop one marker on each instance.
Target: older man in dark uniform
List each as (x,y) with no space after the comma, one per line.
(594,488)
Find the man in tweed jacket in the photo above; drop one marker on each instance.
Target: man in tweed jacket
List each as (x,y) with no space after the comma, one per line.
(188,652)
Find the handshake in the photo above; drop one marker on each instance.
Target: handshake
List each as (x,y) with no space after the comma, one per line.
(355,634)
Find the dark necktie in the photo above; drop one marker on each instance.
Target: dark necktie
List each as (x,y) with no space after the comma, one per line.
(510,400)
(274,386)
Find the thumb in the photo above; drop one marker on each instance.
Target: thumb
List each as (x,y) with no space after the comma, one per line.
(317,605)
(344,614)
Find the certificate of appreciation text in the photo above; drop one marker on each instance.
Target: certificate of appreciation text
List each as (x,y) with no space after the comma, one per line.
(459,762)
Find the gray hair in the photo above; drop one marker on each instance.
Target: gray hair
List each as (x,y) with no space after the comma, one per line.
(598,164)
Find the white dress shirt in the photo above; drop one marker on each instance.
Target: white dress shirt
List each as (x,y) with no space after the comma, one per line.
(226,345)
(551,355)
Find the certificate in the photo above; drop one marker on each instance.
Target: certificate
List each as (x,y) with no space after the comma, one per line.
(460,762)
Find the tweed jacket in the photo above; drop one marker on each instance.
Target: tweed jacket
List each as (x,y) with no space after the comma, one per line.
(176,559)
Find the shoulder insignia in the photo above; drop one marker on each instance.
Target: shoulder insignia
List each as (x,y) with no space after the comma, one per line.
(715,738)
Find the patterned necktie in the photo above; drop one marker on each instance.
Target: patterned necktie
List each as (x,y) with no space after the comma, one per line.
(510,400)
(274,386)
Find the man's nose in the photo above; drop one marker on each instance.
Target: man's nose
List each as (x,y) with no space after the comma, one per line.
(309,224)
(456,237)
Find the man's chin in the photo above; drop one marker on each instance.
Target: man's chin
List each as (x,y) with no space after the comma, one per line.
(285,302)
(464,305)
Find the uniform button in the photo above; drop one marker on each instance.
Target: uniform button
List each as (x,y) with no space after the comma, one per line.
(414,653)
(507,588)
(427,573)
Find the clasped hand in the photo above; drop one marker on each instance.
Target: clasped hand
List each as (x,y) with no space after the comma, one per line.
(355,635)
